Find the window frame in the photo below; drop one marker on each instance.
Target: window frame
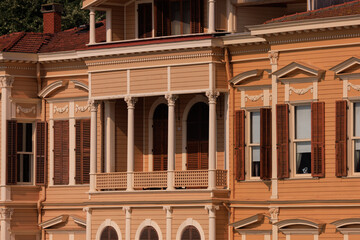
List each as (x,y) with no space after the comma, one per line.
(249,145)
(294,140)
(351,139)
(137,18)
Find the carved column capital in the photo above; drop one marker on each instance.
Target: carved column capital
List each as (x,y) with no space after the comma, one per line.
(211,209)
(168,209)
(273,56)
(274,214)
(127,209)
(171,98)
(212,96)
(87,210)
(93,105)
(6,81)
(6,213)
(131,101)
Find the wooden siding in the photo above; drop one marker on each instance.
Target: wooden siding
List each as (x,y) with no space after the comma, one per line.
(24,88)
(24,220)
(148,80)
(117,23)
(108,83)
(190,77)
(120,136)
(221,79)
(130,21)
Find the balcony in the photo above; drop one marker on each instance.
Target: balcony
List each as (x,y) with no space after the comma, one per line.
(158,180)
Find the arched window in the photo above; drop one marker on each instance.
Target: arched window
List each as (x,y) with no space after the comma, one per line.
(190,233)
(109,233)
(160,128)
(149,233)
(198,137)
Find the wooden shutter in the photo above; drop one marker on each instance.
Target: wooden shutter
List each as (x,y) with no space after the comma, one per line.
(318,139)
(192,155)
(11,152)
(196,18)
(265,144)
(282,136)
(61,152)
(161,20)
(82,151)
(41,153)
(341,138)
(160,145)
(145,20)
(239,145)
(204,155)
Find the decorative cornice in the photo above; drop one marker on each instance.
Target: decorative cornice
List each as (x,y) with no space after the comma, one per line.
(6,81)
(249,51)
(82,108)
(300,91)
(25,110)
(16,68)
(61,110)
(254,98)
(54,221)
(171,98)
(318,38)
(212,96)
(247,221)
(353,86)
(131,101)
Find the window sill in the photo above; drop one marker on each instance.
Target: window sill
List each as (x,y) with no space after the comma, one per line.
(301,178)
(71,186)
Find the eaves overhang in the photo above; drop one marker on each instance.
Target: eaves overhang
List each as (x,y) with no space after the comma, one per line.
(242,39)
(18,57)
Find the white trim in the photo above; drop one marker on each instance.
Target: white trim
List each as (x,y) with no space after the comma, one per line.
(72,143)
(106,223)
(50,88)
(160,100)
(190,222)
(54,221)
(51,150)
(145,223)
(189,105)
(137,17)
(80,85)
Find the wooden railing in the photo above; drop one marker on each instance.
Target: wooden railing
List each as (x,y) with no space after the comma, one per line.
(158,179)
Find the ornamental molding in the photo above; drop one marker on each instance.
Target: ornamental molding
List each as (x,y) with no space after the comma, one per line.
(274,213)
(131,101)
(6,213)
(273,56)
(20,109)
(301,91)
(6,81)
(254,98)
(80,85)
(353,86)
(50,88)
(250,51)
(212,96)
(61,110)
(82,108)
(171,98)
(17,68)
(185,56)
(93,105)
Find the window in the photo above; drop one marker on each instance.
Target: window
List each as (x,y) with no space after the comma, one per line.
(254,144)
(190,233)
(149,233)
(109,233)
(145,20)
(356,138)
(24,152)
(180,17)
(302,139)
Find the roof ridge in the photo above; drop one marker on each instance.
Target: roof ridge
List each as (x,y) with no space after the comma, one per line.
(13,42)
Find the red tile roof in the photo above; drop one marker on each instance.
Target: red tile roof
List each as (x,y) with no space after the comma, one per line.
(348,8)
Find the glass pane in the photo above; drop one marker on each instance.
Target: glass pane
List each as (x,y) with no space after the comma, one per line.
(28,137)
(26,168)
(18,169)
(357,156)
(302,122)
(186,16)
(255,127)
(303,158)
(175,18)
(255,161)
(357,119)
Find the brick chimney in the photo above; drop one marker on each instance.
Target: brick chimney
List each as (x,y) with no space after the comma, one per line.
(51,17)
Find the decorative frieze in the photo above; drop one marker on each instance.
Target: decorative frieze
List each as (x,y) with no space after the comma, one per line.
(254,98)
(353,86)
(61,110)
(82,108)
(20,109)
(301,91)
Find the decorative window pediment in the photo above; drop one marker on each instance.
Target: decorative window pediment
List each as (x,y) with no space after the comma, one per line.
(46,91)
(348,69)
(299,226)
(348,226)
(299,71)
(253,75)
(62,219)
(244,226)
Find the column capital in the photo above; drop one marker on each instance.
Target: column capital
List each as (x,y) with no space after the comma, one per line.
(171,98)
(273,56)
(131,101)
(6,213)
(274,214)
(92,11)
(6,81)
(212,208)
(127,209)
(93,105)
(87,210)
(212,96)
(168,209)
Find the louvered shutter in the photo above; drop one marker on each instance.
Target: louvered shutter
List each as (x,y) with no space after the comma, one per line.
(192,155)
(239,145)
(41,153)
(265,144)
(196,12)
(11,151)
(160,145)
(82,151)
(341,139)
(61,152)
(282,130)
(204,155)
(162,20)
(318,139)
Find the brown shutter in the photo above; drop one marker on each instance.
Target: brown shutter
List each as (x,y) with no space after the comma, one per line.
(318,139)
(204,158)
(341,139)
(265,144)
(61,152)
(82,151)
(41,153)
(162,20)
(192,150)
(282,130)
(239,145)
(11,151)
(196,12)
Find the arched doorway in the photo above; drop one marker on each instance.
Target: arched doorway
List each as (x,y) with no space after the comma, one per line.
(160,137)
(149,233)
(197,137)
(190,233)
(109,233)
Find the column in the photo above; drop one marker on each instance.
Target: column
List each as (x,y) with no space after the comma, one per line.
(72,144)
(93,144)
(169,211)
(110,136)
(88,222)
(274,214)
(171,140)
(273,56)
(108,26)
(212,95)
(212,221)
(92,26)
(6,84)
(130,143)
(5,218)
(211,8)
(127,222)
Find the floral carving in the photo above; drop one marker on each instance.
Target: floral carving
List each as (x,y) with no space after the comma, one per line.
(61,110)
(355,87)
(300,91)
(82,108)
(25,110)
(254,98)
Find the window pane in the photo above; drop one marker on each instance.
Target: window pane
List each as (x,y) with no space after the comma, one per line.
(175,18)
(255,161)
(255,127)
(28,137)
(186,16)
(302,122)
(26,168)
(303,158)
(357,156)
(357,119)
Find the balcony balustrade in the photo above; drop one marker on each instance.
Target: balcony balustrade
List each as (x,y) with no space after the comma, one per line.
(158,180)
